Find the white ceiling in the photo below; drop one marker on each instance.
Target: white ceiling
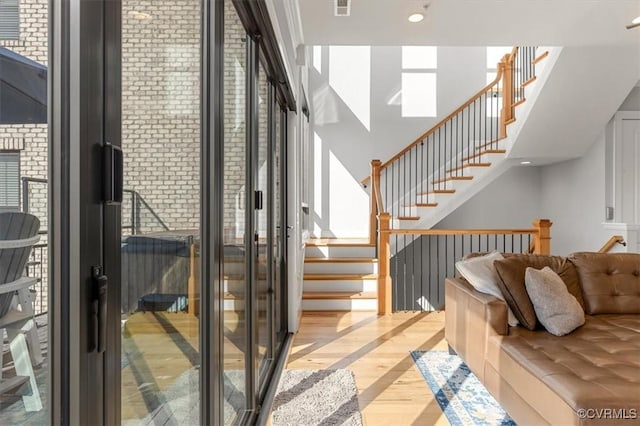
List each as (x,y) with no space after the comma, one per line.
(472,22)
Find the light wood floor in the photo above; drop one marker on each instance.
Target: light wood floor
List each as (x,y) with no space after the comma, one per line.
(391,390)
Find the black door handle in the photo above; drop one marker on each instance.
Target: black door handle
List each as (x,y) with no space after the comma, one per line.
(98,327)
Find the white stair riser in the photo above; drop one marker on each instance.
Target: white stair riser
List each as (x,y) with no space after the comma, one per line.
(341,285)
(340,268)
(340,251)
(340,305)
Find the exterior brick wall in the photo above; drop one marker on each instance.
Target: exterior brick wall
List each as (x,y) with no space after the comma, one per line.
(160,110)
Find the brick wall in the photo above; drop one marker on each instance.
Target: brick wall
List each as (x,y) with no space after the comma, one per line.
(160,109)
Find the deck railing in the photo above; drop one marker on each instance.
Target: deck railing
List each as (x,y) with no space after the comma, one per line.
(138,218)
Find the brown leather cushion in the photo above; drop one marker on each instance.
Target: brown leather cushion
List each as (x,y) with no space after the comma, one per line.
(610,282)
(597,366)
(511,273)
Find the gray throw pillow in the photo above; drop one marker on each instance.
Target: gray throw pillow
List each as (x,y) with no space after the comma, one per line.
(557,309)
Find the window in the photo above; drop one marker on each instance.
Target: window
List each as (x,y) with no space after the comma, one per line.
(9,181)
(9,19)
(419,92)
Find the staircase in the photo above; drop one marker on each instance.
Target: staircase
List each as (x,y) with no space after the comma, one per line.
(340,275)
(423,183)
(464,152)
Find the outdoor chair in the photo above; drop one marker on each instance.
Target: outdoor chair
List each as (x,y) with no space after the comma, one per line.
(18,234)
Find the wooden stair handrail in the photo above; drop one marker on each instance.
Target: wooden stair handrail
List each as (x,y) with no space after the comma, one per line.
(541,236)
(616,239)
(508,57)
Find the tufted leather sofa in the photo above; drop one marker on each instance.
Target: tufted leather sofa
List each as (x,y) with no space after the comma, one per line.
(588,377)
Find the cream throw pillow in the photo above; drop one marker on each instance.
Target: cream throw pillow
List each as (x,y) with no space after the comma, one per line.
(557,309)
(481,274)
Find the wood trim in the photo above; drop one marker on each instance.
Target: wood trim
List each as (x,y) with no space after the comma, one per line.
(616,239)
(528,82)
(375,200)
(540,58)
(543,236)
(451,178)
(425,205)
(469,165)
(192,289)
(384,265)
(461,231)
(408,217)
(439,191)
(337,295)
(339,277)
(444,120)
(520,102)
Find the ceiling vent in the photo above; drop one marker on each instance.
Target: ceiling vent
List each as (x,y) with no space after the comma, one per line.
(342,7)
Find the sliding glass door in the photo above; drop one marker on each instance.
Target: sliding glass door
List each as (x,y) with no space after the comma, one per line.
(160,239)
(167,219)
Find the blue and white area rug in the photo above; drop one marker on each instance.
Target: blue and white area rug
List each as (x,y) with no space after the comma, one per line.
(461,396)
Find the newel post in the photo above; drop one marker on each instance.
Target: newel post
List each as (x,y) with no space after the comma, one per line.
(506,115)
(193,304)
(543,236)
(373,202)
(384,265)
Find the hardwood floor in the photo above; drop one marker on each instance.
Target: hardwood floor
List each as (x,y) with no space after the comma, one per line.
(391,390)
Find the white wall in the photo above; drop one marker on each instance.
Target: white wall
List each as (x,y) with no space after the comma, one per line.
(511,201)
(632,101)
(347,132)
(573,197)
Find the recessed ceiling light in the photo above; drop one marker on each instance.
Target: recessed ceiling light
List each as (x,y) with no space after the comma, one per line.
(636,21)
(524,163)
(416,17)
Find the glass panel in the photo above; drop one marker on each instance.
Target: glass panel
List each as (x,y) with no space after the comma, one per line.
(160,211)
(23,188)
(262,227)
(234,261)
(279,226)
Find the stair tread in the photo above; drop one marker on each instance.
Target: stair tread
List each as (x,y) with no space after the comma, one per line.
(340,260)
(438,191)
(540,57)
(408,218)
(423,205)
(464,166)
(332,295)
(450,178)
(488,145)
(487,151)
(340,277)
